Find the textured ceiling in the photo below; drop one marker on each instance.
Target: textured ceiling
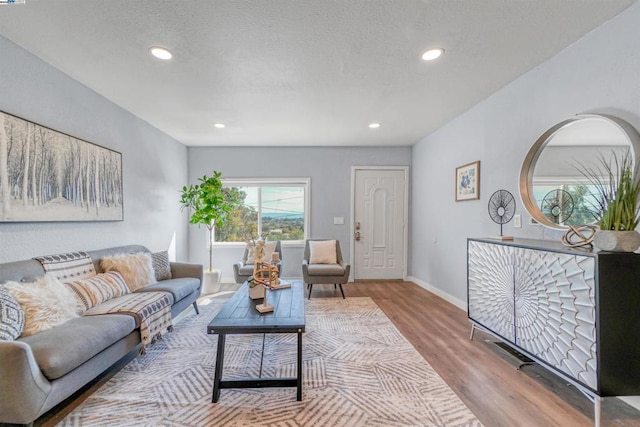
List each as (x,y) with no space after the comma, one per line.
(299,72)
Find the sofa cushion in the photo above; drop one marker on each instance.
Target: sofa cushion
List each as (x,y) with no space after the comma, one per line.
(325,270)
(178,288)
(98,289)
(136,269)
(161,265)
(11,316)
(62,349)
(47,302)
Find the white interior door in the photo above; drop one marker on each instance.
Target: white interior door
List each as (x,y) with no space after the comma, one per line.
(379,223)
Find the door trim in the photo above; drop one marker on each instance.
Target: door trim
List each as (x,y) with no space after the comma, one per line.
(352,243)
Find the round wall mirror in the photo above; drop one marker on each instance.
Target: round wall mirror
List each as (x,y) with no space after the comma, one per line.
(554,191)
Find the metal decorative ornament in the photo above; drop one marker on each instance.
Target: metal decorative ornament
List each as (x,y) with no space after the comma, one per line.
(579,235)
(502,207)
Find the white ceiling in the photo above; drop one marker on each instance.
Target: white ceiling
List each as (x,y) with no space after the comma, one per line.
(299,72)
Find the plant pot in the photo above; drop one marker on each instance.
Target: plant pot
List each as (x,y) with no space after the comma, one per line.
(617,241)
(211,283)
(257,292)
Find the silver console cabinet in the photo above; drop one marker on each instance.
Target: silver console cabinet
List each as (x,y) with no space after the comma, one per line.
(574,312)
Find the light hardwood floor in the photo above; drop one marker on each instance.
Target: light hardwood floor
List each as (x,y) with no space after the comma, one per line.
(485,377)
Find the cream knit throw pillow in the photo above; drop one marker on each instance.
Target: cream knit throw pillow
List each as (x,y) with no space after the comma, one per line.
(136,269)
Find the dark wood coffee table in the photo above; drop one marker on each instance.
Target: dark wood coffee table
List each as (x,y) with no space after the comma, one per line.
(239,316)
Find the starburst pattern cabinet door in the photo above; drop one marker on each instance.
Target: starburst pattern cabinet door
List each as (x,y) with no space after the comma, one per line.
(491,287)
(555,310)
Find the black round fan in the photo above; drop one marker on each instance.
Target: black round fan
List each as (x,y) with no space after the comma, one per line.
(557,206)
(502,207)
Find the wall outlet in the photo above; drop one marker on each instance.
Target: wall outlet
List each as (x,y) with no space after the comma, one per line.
(517,221)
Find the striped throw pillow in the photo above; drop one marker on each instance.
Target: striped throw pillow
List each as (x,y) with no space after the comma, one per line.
(98,289)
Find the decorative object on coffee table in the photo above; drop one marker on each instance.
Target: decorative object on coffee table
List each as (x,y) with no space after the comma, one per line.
(265,307)
(256,290)
(502,207)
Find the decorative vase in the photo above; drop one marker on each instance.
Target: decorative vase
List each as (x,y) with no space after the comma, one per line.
(617,241)
(257,292)
(211,283)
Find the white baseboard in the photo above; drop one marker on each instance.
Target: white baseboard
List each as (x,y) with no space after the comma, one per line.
(462,305)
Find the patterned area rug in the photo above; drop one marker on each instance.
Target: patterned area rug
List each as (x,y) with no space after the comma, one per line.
(358,371)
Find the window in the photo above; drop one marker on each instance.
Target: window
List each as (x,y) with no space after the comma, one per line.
(276,208)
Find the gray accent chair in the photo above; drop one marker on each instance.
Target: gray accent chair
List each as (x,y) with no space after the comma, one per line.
(338,274)
(243,271)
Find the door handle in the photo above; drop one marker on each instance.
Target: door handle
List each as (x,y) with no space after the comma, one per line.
(357,236)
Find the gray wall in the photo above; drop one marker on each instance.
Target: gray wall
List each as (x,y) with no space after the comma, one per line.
(330,171)
(154,165)
(599,73)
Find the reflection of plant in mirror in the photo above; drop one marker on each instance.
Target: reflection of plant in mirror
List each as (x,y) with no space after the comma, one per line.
(617,190)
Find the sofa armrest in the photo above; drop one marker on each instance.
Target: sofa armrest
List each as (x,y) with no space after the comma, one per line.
(181,269)
(347,268)
(23,388)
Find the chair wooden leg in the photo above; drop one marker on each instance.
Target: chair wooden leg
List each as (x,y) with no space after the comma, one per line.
(310,287)
(342,291)
(335,286)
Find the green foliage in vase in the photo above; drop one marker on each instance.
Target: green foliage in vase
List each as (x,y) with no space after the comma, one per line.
(617,191)
(210,204)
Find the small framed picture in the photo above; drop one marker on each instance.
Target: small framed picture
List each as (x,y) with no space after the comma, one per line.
(468,181)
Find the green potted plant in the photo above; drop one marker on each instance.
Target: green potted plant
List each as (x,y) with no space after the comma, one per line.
(617,193)
(210,204)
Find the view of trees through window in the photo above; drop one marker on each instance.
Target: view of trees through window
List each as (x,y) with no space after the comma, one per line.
(277,211)
(584,203)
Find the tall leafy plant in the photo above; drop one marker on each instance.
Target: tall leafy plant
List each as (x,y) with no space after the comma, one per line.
(617,191)
(210,204)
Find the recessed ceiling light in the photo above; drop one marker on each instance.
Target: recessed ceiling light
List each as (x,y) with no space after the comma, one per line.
(160,52)
(432,54)
(219,125)
(374,125)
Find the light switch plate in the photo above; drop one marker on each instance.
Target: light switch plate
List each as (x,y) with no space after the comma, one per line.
(338,220)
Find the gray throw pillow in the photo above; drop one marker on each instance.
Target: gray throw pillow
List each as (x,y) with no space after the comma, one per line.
(11,316)
(161,265)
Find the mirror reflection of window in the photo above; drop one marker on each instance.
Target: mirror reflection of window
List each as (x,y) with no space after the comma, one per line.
(578,144)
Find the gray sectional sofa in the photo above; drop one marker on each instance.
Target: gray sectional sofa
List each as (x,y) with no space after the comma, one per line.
(40,371)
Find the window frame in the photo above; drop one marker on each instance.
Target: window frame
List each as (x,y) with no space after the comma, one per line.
(305,183)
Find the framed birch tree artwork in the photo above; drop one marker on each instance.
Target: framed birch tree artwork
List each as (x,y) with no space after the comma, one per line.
(47,175)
